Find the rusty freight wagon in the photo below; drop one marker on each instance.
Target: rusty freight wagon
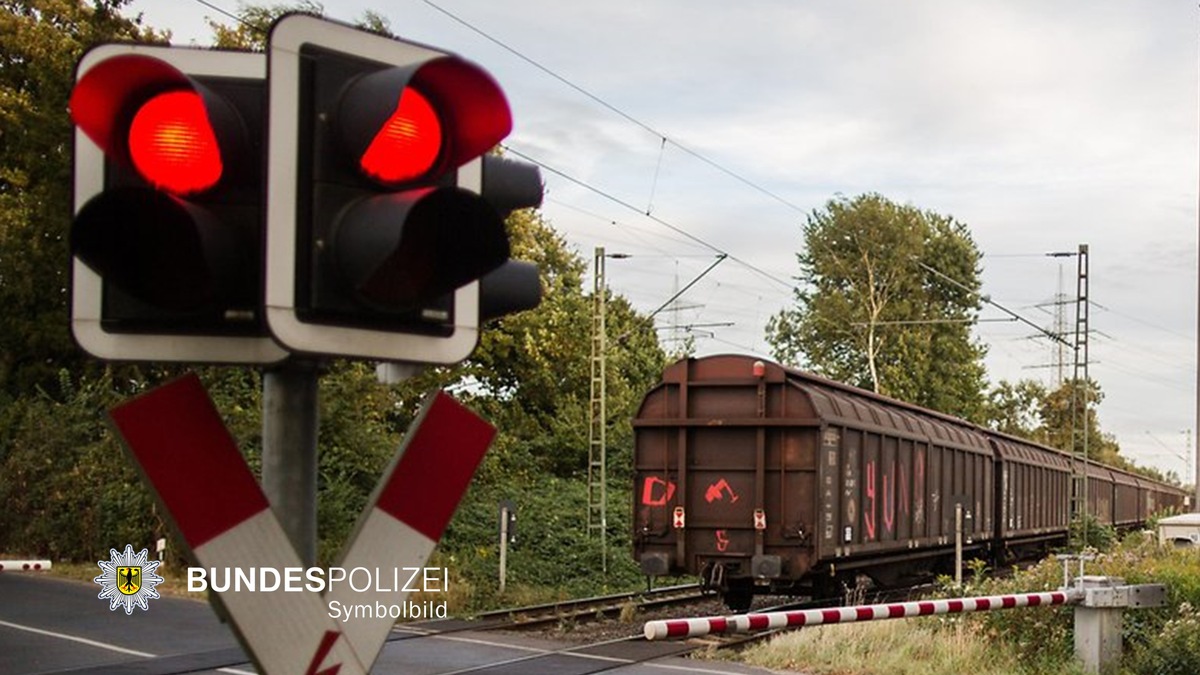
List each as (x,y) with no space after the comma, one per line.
(762,479)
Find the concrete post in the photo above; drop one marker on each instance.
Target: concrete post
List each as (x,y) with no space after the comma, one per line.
(1097,629)
(1098,617)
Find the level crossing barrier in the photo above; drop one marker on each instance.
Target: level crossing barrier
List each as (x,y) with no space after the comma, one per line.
(1099,604)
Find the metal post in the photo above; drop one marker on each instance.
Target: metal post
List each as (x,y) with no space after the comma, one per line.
(503,546)
(289,462)
(598,412)
(958,544)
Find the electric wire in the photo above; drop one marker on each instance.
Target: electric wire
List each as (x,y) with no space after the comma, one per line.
(615,110)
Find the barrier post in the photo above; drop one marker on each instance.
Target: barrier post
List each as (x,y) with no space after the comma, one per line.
(1099,616)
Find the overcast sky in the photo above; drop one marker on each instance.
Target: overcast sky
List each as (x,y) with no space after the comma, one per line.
(1041,125)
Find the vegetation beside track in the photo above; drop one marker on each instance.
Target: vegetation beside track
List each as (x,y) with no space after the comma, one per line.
(1033,641)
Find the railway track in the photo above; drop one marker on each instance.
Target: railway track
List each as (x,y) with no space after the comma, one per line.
(569,611)
(604,642)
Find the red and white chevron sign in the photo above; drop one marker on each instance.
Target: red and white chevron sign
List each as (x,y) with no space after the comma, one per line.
(193,465)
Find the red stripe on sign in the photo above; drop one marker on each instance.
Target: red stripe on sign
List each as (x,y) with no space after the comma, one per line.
(1035,600)
(176,435)
(718,624)
(954,605)
(864,614)
(983,604)
(1008,602)
(758,621)
(831,616)
(895,611)
(797,618)
(925,608)
(436,463)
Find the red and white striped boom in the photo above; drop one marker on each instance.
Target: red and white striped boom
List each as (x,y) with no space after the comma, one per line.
(746,623)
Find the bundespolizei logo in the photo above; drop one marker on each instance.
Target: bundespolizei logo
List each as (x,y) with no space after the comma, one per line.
(128,580)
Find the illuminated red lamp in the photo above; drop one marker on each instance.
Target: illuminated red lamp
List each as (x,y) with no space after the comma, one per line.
(147,114)
(408,144)
(172,144)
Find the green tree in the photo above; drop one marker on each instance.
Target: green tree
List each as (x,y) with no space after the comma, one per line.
(1015,408)
(40,41)
(254,22)
(1060,410)
(887,297)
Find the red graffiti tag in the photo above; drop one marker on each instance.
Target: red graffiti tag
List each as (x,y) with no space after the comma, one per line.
(722,540)
(718,490)
(869,511)
(665,492)
(889,504)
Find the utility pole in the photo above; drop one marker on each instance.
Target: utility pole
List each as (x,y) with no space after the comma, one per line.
(597,411)
(1079,398)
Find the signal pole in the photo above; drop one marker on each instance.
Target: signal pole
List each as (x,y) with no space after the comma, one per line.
(289,454)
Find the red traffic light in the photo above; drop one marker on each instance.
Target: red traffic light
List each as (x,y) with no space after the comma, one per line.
(147,114)
(166,238)
(411,124)
(379,230)
(407,145)
(172,144)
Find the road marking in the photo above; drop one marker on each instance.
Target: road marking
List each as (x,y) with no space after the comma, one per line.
(104,645)
(80,640)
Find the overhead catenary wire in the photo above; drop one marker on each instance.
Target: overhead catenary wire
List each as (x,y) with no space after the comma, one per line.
(671,226)
(1002,308)
(615,110)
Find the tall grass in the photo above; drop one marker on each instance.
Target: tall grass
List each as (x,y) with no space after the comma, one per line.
(1032,641)
(899,647)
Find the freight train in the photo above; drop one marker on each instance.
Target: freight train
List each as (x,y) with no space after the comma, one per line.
(762,479)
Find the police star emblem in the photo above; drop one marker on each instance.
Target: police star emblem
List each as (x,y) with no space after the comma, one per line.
(128,580)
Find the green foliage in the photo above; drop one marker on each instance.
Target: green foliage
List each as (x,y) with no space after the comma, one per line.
(40,41)
(1042,635)
(1173,651)
(877,309)
(1092,533)
(553,549)
(254,22)
(1056,418)
(1156,640)
(68,488)
(1015,408)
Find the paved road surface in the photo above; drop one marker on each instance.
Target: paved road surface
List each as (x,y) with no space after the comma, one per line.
(50,625)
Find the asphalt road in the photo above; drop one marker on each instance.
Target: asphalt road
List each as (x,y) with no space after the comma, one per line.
(51,625)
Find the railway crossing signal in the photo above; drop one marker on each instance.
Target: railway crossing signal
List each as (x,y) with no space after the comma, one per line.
(166,237)
(370,223)
(384,210)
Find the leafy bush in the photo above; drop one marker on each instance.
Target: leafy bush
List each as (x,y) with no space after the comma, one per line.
(1099,536)
(1155,640)
(554,551)
(1175,650)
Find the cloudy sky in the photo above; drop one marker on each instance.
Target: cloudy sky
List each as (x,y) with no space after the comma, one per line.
(674,130)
